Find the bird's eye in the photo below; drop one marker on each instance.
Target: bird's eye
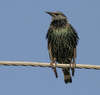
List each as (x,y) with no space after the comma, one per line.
(57,14)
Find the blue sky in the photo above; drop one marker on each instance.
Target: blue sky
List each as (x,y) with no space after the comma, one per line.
(23,26)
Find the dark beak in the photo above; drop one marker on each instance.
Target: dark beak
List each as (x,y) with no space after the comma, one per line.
(50,13)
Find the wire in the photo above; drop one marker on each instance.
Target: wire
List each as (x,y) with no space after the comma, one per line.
(40,64)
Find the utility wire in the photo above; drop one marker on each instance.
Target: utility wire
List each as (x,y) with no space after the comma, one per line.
(41,64)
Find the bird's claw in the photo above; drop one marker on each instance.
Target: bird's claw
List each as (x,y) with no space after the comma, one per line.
(73,65)
(53,65)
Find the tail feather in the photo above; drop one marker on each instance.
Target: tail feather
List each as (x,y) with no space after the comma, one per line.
(73,71)
(67,76)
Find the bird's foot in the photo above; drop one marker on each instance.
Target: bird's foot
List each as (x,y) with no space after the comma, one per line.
(73,65)
(53,65)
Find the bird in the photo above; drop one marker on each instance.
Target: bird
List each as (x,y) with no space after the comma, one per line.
(62,40)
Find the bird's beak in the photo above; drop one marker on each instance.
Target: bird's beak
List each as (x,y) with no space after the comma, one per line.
(50,13)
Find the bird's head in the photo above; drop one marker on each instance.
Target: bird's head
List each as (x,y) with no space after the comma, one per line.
(56,15)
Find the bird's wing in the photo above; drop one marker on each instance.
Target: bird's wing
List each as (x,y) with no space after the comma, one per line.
(74,54)
(75,36)
(48,37)
(74,41)
(50,53)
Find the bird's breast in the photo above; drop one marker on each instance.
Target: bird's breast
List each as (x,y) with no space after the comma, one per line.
(59,34)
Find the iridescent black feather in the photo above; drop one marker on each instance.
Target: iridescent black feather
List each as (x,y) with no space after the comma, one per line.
(62,38)
(62,41)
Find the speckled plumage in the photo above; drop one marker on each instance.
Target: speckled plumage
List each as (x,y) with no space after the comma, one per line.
(62,39)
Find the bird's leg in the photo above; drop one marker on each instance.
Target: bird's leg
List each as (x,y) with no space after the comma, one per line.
(70,65)
(73,63)
(53,64)
(73,66)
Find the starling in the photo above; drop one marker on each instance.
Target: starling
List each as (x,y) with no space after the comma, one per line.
(62,41)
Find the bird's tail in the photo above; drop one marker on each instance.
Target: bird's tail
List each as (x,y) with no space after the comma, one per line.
(73,71)
(67,76)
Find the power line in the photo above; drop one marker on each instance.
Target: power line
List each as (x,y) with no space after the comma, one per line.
(40,64)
